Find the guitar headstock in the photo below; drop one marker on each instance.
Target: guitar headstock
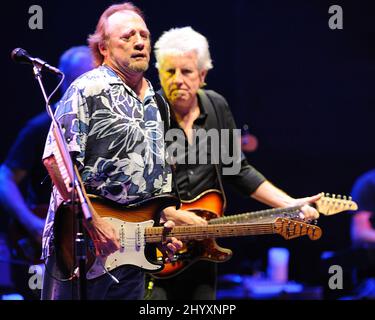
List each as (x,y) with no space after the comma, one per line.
(332,204)
(290,229)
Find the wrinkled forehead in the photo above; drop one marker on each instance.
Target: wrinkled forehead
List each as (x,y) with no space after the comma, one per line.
(124,20)
(179,57)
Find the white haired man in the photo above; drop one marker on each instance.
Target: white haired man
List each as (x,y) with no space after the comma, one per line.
(183,60)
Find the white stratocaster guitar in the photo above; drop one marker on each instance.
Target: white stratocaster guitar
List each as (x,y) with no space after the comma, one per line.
(135,227)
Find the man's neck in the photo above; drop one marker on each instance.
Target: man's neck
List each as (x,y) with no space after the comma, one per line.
(186,116)
(133,79)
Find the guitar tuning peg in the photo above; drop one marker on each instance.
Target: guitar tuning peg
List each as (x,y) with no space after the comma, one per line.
(350,198)
(339,196)
(344,197)
(333,196)
(327,194)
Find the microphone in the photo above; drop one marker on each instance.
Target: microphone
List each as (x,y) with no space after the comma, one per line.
(20,55)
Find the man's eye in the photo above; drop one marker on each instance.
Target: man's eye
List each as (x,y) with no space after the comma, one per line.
(145,36)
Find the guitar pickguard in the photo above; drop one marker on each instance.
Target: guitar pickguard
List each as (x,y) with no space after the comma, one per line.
(132,251)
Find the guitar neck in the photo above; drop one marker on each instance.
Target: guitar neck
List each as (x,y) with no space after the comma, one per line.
(256,215)
(183,233)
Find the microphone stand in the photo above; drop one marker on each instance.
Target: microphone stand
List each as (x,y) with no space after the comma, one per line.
(80,207)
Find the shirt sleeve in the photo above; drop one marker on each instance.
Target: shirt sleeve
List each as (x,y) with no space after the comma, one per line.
(72,114)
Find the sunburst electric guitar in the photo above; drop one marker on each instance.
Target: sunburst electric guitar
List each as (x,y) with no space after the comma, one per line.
(209,205)
(138,236)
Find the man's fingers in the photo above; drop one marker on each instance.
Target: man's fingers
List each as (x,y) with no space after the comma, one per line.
(171,245)
(309,212)
(105,248)
(169,248)
(169,225)
(202,222)
(175,244)
(314,198)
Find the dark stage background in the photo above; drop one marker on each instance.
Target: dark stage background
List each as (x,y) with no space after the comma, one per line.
(306,92)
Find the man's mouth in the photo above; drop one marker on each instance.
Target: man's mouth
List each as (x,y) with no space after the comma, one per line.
(138,55)
(178,93)
(178,90)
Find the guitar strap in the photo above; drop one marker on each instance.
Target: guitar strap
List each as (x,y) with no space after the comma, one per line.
(214,121)
(165,116)
(164,111)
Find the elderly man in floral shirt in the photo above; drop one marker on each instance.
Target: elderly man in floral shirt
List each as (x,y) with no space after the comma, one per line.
(114,130)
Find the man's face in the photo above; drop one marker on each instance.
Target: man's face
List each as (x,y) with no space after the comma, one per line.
(128,42)
(180,79)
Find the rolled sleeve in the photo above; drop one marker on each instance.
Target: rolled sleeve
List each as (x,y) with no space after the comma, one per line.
(72,115)
(247,180)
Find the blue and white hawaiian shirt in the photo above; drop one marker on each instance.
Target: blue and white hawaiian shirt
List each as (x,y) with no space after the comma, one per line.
(117,141)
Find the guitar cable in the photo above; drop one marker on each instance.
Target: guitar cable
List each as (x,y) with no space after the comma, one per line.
(108,273)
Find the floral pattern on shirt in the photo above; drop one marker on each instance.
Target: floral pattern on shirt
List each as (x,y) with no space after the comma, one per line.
(117,140)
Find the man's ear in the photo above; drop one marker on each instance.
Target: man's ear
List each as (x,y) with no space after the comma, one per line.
(103,48)
(202,76)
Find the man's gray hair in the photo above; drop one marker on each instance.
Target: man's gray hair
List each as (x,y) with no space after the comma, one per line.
(177,41)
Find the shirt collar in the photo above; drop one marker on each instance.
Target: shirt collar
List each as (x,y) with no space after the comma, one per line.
(199,121)
(114,79)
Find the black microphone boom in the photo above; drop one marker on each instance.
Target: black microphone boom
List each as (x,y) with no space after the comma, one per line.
(20,55)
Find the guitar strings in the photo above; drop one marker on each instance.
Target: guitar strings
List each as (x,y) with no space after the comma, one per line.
(154,235)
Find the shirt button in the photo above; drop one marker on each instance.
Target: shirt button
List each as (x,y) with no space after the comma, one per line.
(190,172)
(189,194)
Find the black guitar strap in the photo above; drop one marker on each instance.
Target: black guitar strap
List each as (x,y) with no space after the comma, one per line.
(164,111)
(214,122)
(165,116)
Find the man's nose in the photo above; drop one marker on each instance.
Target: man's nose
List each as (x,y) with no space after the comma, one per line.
(178,77)
(139,42)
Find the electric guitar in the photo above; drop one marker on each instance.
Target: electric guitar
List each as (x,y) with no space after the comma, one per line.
(209,205)
(134,224)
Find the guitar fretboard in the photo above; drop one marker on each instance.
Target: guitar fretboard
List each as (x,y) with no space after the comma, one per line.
(183,233)
(287,228)
(290,212)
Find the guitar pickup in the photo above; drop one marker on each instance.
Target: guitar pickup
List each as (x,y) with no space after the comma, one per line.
(138,237)
(122,236)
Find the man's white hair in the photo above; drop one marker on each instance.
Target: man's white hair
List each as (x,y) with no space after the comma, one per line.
(177,41)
